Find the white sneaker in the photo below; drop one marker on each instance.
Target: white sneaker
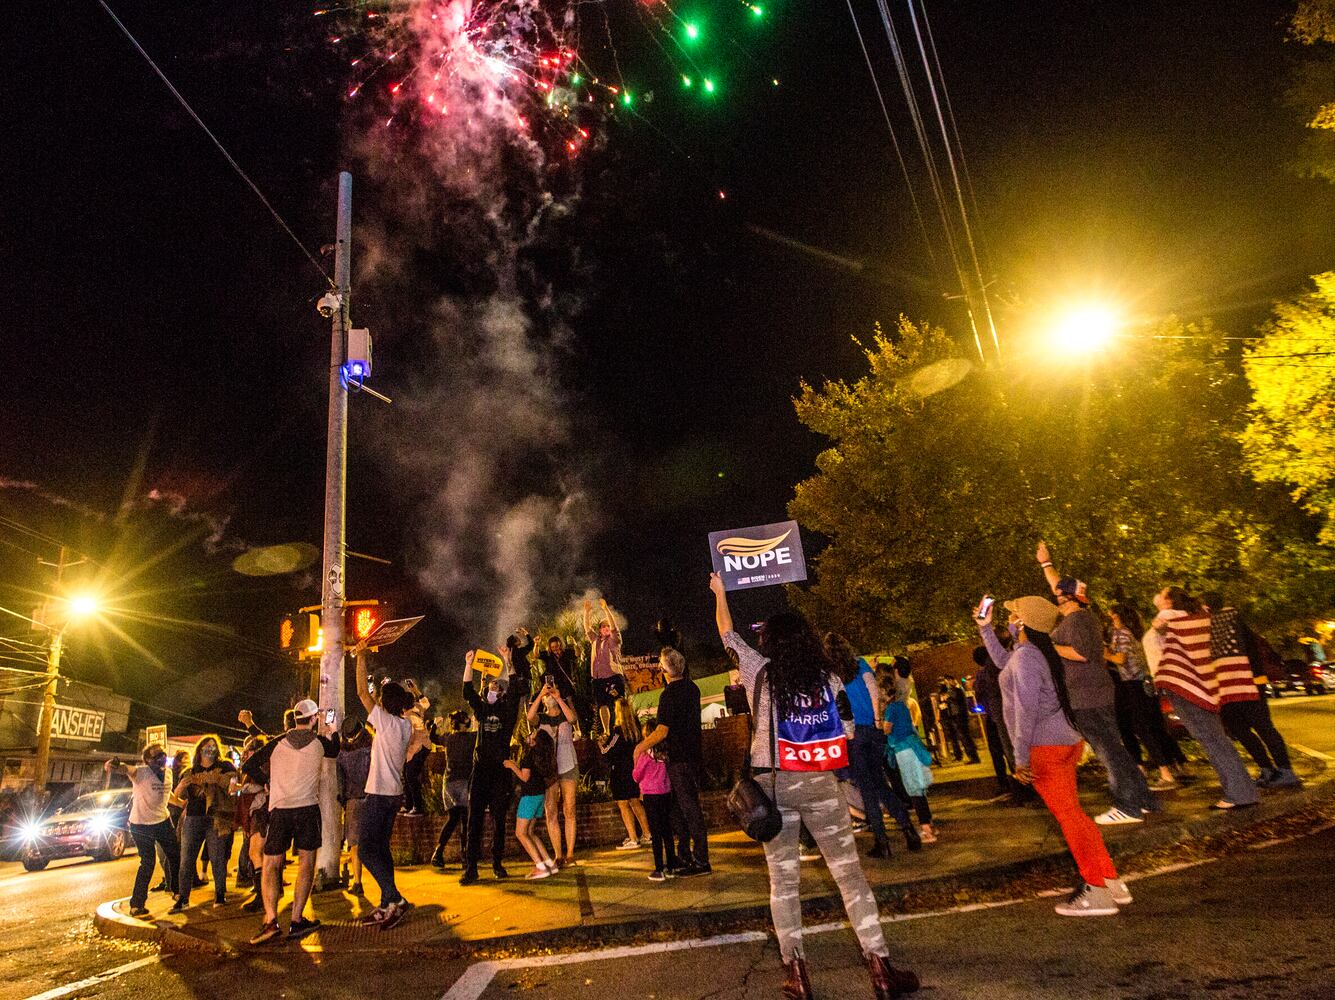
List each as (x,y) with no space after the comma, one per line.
(646,841)
(541,871)
(1088,901)
(1115,817)
(628,845)
(1118,890)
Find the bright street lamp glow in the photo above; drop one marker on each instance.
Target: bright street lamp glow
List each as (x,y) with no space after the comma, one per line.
(1085,329)
(83,605)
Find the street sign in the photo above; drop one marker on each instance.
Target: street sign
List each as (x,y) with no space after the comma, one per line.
(487,664)
(758,557)
(70,723)
(391,631)
(155,734)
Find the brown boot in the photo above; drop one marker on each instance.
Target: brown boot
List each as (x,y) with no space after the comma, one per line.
(797,986)
(887,981)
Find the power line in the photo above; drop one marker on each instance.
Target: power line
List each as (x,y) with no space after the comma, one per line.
(221,148)
(894,140)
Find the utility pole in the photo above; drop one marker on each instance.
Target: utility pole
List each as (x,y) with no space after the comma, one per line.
(335,543)
(48,712)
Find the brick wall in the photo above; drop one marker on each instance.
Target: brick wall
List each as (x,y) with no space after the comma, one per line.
(597,824)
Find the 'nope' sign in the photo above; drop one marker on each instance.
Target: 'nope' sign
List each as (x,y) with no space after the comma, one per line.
(758,557)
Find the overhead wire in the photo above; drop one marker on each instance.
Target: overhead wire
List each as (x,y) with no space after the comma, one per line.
(894,141)
(929,161)
(180,98)
(935,76)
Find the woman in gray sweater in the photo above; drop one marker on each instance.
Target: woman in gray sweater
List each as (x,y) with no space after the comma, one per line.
(1048,747)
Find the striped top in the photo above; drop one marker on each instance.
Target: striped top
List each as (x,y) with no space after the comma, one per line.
(1200,664)
(1232,665)
(1186,667)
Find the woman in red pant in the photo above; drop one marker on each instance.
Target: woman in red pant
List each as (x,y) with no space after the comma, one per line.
(1048,747)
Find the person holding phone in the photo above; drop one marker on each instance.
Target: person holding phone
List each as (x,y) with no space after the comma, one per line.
(551,712)
(384,788)
(294,761)
(1048,745)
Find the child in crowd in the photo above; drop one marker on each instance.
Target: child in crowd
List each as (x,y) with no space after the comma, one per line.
(650,773)
(619,751)
(536,770)
(908,762)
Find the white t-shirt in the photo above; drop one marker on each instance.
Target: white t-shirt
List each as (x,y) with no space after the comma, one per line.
(294,770)
(388,752)
(148,802)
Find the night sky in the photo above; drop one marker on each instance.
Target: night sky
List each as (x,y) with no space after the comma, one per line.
(163,335)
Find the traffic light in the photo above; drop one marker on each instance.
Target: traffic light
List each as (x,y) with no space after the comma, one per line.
(361,618)
(297,633)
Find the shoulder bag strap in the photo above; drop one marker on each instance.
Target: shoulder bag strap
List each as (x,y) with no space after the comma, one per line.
(751,723)
(773,743)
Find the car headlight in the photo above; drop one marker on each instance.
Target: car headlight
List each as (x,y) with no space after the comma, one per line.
(30,832)
(98,826)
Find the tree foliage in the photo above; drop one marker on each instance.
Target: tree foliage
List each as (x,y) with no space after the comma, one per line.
(1129,466)
(1291,436)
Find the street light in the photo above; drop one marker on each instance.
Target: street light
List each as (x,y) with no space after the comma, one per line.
(1085,328)
(78,607)
(82,606)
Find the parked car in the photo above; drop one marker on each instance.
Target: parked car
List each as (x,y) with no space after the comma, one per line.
(96,824)
(1311,678)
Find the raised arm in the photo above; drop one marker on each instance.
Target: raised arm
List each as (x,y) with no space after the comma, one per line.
(588,624)
(1044,557)
(722,613)
(566,710)
(363,694)
(609,618)
(470,693)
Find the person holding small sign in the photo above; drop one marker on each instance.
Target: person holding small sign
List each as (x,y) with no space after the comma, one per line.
(803,717)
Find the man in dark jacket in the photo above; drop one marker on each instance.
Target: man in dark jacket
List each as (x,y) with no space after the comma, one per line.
(492,787)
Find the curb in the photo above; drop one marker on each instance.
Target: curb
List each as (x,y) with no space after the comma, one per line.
(111,921)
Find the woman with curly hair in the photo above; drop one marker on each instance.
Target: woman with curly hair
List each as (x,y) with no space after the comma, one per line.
(802,723)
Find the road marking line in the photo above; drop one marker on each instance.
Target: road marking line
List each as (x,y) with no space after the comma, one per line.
(1312,753)
(97,980)
(476,978)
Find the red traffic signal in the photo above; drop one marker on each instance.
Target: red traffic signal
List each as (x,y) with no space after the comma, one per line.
(361,618)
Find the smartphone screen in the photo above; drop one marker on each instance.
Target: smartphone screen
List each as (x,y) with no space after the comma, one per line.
(984,606)
(329,717)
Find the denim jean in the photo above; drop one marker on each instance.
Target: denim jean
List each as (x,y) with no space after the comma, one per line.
(148,838)
(196,831)
(1130,792)
(866,753)
(377,820)
(1209,732)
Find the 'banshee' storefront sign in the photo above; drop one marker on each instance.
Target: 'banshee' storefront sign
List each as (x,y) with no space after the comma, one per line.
(758,557)
(70,723)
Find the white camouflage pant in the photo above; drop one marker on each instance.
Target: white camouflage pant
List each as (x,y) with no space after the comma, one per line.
(814,799)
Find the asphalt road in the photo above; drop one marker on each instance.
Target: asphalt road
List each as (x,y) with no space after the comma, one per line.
(1256,925)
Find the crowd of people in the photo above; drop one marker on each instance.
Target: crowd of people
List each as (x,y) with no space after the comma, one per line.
(838,742)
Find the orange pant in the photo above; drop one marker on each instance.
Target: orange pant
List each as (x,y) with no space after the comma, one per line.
(1054,780)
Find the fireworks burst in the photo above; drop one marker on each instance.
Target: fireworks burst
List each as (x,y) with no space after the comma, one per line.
(518,64)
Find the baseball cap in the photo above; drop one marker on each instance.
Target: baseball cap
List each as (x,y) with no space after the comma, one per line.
(305,708)
(1038,613)
(1072,587)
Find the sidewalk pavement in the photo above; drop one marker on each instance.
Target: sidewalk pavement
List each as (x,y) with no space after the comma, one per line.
(986,845)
